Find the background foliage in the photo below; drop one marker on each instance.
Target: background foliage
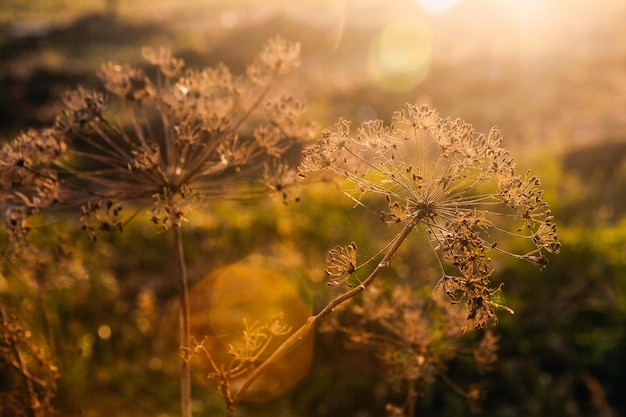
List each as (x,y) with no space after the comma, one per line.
(549,74)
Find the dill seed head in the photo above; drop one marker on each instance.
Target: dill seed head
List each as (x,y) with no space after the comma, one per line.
(28,183)
(171,141)
(413,337)
(341,263)
(460,187)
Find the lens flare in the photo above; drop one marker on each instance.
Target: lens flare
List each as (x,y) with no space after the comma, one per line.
(436,6)
(400,55)
(241,294)
(229,19)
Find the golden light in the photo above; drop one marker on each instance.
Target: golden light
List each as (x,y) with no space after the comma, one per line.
(240,295)
(400,55)
(229,19)
(437,6)
(104,332)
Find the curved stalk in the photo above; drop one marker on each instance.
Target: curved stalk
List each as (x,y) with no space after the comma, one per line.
(312,321)
(184,324)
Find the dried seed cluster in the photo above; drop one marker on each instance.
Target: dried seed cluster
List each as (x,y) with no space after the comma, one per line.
(173,139)
(459,187)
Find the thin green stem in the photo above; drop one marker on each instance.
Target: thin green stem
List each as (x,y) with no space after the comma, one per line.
(184,324)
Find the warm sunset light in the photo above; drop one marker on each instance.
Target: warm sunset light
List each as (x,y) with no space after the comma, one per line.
(400,54)
(242,300)
(437,6)
(244,208)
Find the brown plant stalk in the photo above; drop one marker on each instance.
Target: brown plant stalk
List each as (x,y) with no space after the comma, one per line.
(311,323)
(184,321)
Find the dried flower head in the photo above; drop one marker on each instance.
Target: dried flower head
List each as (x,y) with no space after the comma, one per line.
(168,141)
(281,55)
(168,65)
(101,216)
(246,353)
(455,185)
(486,353)
(413,337)
(177,141)
(30,367)
(28,183)
(341,263)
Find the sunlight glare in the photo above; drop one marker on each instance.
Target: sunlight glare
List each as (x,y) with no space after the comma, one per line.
(436,6)
(229,19)
(400,54)
(243,294)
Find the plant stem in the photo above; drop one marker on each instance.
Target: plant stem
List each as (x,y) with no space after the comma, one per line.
(184,325)
(19,363)
(312,321)
(411,398)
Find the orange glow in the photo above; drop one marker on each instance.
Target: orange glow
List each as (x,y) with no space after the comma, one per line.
(437,6)
(239,294)
(400,55)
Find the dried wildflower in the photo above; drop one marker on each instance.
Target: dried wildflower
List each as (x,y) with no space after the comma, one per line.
(127,82)
(101,216)
(83,105)
(457,186)
(256,339)
(280,55)
(171,142)
(28,365)
(178,141)
(413,338)
(486,353)
(341,263)
(169,208)
(41,268)
(168,65)
(277,325)
(287,114)
(28,184)
(279,176)
(270,139)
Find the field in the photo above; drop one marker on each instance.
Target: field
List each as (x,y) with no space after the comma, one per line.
(549,74)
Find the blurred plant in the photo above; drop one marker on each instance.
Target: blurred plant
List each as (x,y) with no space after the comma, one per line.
(575,359)
(31,349)
(255,341)
(414,336)
(33,371)
(174,141)
(28,181)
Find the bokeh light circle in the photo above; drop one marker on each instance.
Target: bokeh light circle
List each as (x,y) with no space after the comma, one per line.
(400,54)
(219,305)
(437,6)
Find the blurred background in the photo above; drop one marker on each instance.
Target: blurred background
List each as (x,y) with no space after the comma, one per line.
(551,74)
